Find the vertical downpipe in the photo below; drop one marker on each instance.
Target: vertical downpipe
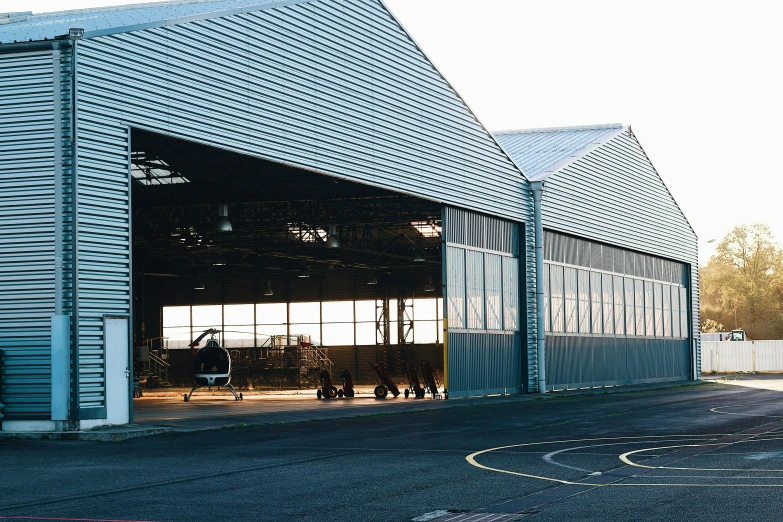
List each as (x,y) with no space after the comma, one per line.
(75,400)
(443,275)
(60,334)
(537,188)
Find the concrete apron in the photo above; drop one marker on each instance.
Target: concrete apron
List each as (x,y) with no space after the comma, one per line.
(167,411)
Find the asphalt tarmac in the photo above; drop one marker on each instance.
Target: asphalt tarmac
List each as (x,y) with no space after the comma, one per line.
(706,452)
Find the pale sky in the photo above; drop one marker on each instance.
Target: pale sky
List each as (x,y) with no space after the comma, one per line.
(700,83)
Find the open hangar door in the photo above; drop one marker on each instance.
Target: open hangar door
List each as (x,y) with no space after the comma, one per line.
(315,272)
(485,298)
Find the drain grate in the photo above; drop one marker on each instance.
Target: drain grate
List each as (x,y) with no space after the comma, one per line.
(460,516)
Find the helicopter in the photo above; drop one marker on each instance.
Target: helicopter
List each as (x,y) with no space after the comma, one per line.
(211,365)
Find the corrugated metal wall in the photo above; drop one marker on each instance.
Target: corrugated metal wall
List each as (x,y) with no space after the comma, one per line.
(484,308)
(614,195)
(27,225)
(332,86)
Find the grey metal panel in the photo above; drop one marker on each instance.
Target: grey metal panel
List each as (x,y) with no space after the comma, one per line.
(27,242)
(97,20)
(334,87)
(588,361)
(482,269)
(540,149)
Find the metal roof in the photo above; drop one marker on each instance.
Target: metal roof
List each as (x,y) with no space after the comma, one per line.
(541,152)
(25,27)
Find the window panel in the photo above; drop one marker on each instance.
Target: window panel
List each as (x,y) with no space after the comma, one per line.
(176,316)
(337,312)
(474,289)
(338,334)
(667,311)
(608,293)
(675,290)
(510,293)
(648,309)
(209,316)
(242,336)
(619,308)
(547,299)
(630,317)
(305,312)
(272,313)
(595,298)
(238,314)
(658,307)
(365,311)
(685,326)
(365,334)
(639,312)
(425,309)
(556,291)
(493,277)
(311,329)
(569,285)
(456,286)
(178,337)
(583,287)
(425,332)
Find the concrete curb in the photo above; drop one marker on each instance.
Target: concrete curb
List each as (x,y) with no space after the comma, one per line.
(101,435)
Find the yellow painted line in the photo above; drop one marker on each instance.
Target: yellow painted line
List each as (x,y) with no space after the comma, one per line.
(624,457)
(471,459)
(717,410)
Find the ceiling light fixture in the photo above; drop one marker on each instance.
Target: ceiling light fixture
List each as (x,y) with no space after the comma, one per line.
(332,241)
(268,290)
(220,261)
(429,287)
(372,280)
(199,285)
(418,253)
(223,224)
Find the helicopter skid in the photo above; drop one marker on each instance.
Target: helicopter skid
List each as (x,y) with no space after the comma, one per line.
(227,386)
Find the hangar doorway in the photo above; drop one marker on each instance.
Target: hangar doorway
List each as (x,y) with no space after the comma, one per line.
(299,271)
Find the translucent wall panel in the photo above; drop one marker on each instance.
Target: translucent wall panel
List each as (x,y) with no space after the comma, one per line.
(510,293)
(675,291)
(596,308)
(176,316)
(365,311)
(583,291)
(493,283)
(630,316)
(337,311)
(311,329)
(649,326)
(569,287)
(305,313)
(658,307)
(455,261)
(239,328)
(667,310)
(208,316)
(684,323)
(608,294)
(639,312)
(272,313)
(474,289)
(365,334)
(547,300)
(177,337)
(619,307)
(556,291)
(337,334)
(425,332)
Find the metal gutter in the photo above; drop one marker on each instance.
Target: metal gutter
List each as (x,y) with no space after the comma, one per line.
(74,239)
(537,188)
(43,45)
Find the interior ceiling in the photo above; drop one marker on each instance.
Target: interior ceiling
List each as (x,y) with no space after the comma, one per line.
(279,216)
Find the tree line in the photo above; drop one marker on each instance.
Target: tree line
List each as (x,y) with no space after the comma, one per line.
(744,279)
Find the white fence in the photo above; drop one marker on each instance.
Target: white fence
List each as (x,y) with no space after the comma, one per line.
(746,356)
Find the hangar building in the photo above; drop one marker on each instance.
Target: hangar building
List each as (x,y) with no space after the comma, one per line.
(296,173)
